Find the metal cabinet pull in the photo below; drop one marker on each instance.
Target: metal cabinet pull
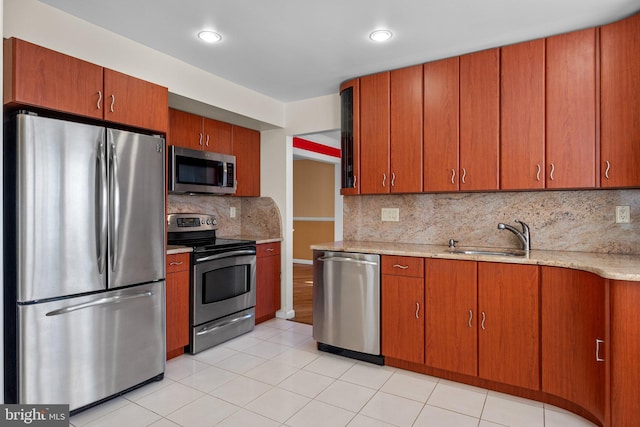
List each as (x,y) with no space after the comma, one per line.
(453,176)
(553,168)
(393,179)
(176,263)
(200,140)
(384,179)
(606,172)
(99,99)
(464,175)
(484,317)
(355,179)
(270,249)
(470,318)
(207,141)
(538,172)
(598,358)
(113,101)
(404,267)
(417,310)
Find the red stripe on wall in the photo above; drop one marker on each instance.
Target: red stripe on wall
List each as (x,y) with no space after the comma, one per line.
(303,144)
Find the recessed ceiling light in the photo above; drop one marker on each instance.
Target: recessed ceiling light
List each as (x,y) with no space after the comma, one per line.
(380,35)
(209,36)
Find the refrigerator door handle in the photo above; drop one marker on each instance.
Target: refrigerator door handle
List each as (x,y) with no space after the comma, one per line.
(102,223)
(114,209)
(102,301)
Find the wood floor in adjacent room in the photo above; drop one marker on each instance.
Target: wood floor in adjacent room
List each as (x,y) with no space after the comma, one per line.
(302,293)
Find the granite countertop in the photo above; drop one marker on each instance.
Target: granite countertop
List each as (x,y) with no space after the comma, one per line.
(608,266)
(178,249)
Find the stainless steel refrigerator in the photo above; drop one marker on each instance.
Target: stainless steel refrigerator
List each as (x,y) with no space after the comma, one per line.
(84,261)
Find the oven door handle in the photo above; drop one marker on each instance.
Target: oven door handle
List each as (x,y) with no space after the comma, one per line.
(210,329)
(227,255)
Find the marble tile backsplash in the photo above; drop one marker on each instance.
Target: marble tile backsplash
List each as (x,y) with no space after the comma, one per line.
(255,216)
(560,220)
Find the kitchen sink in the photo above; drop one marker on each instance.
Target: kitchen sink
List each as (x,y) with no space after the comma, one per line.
(516,253)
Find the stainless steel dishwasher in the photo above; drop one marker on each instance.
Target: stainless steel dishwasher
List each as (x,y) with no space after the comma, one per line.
(346,304)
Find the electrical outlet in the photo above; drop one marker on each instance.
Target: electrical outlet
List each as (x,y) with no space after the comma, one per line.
(623,215)
(232,212)
(391,214)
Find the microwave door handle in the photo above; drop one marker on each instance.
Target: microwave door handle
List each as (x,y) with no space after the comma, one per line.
(226,255)
(224,174)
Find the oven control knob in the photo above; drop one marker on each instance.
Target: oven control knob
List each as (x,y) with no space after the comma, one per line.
(214,222)
(208,222)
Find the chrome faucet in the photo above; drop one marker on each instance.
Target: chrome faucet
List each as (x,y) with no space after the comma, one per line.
(523,235)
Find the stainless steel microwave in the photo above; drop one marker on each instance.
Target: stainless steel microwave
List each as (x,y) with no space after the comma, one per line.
(194,171)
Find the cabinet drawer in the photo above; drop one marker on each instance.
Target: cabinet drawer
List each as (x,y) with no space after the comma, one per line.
(177,262)
(403,266)
(267,249)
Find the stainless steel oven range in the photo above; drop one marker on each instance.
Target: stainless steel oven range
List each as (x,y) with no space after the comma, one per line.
(223,280)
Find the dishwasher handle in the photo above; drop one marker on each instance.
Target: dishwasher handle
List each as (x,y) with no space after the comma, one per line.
(345,259)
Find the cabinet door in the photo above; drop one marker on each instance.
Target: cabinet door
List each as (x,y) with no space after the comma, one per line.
(217,136)
(573,304)
(177,312)
(619,106)
(522,116)
(267,282)
(406,130)
(374,134)
(41,77)
(185,129)
(508,339)
(480,120)
(135,102)
(624,351)
(451,316)
(571,110)
(246,148)
(402,318)
(350,136)
(441,125)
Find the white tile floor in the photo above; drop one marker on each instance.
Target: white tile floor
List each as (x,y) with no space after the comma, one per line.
(274,376)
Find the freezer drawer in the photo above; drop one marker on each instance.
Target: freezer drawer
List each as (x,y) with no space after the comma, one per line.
(346,300)
(81,350)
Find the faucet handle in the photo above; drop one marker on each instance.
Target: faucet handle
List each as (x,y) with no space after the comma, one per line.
(525,227)
(452,243)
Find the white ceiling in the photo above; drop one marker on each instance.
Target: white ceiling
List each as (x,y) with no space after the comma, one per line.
(298,49)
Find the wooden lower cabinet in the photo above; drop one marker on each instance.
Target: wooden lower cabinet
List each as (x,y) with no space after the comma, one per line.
(267,281)
(246,148)
(624,352)
(177,304)
(451,337)
(509,333)
(403,308)
(573,333)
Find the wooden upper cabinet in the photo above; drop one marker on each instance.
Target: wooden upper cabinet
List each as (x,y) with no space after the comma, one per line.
(509,334)
(135,102)
(406,130)
(441,125)
(480,120)
(246,148)
(350,136)
(522,116)
(571,110)
(451,341)
(620,106)
(45,78)
(374,133)
(37,76)
(185,129)
(217,136)
(573,347)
